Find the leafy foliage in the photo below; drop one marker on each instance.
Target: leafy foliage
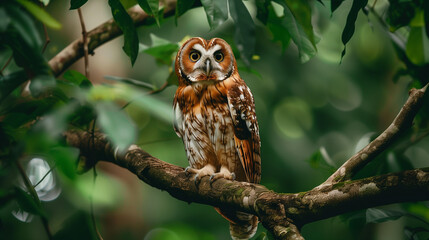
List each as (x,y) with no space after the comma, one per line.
(245,29)
(216,12)
(40,14)
(297,31)
(349,29)
(183,6)
(151,7)
(33,116)
(124,21)
(75,4)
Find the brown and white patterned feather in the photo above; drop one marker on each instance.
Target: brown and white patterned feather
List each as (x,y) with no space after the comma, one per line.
(215,117)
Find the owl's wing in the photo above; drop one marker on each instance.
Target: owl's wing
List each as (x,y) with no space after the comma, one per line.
(246,130)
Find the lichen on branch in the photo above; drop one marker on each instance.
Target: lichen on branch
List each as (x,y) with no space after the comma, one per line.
(282,214)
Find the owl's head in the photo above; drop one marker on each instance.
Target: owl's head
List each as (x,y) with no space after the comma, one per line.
(199,60)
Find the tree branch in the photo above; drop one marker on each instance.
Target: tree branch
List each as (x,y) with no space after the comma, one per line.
(402,122)
(84,42)
(102,34)
(282,214)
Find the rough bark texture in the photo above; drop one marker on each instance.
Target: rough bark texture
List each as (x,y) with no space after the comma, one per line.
(282,214)
(402,122)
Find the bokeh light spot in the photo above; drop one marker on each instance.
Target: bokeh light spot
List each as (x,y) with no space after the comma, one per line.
(161,234)
(293,117)
(344,95)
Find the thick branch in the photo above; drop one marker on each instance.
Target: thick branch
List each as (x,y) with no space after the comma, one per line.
(402,122)
(282,214)
(100,35)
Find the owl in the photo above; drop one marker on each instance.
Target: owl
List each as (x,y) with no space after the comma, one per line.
(215,117)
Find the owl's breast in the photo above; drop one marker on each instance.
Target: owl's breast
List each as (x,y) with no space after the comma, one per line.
(207,121)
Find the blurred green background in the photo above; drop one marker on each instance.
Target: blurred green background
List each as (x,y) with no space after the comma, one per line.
(319,107)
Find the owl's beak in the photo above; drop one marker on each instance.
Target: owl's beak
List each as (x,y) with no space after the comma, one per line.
(208,67)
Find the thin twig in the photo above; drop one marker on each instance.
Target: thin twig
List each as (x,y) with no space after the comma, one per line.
(45,30)
(162,88)
(5,65)
(85,42)
(47,39)
(33,193)
(401,122)
(414,140)
(43,178)
(91,202)
(373,4)
(102,34)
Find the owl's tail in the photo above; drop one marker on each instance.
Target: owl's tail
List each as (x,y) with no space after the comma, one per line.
(241,225)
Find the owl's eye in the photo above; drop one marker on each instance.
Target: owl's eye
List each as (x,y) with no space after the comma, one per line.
(194,56)
(218,56)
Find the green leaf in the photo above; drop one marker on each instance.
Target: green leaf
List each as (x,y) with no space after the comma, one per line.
(131,81)
(375,215)
(349,28)
(301,11)
(305,47)
(262,236)
(321,160)
(411,233)
(126,24)
(78,226)
(77,78)
(26,111)
(56,122)
(40,14)
(75,4)
(320,1)
(335,4)
(45,2)
(23,27)
(426,16)
(116,124)
(65,159)
(262,10)
(399,14)
(158,108)
(25,42)
(216,12)
(244,36)
(6,197)
(151,7)
(11,81)
(172,79)
(83,116)
(417,48)
(28,203)
(182,7)
(40,83)
(163,50)
(277,29)
(5,20)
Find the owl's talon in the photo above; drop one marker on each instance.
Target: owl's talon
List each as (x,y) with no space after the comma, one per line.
(233,176)
(187,170)
(213,178)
